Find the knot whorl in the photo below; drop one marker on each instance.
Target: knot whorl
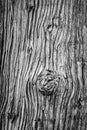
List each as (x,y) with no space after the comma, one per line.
(48,82)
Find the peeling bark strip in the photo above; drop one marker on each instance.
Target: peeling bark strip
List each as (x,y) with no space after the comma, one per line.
(43,65)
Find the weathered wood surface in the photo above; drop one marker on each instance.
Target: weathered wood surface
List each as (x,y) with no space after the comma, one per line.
(43,65)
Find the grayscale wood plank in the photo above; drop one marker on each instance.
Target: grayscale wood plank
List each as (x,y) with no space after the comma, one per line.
(43,65)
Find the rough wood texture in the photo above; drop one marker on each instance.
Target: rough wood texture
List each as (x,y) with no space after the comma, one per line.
(43,65)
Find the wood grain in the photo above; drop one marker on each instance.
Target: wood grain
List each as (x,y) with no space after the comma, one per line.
(43,63)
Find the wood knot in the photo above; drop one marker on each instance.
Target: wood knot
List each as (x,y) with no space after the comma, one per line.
(48,82)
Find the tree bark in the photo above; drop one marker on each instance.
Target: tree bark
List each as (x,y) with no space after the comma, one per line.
(43,65)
